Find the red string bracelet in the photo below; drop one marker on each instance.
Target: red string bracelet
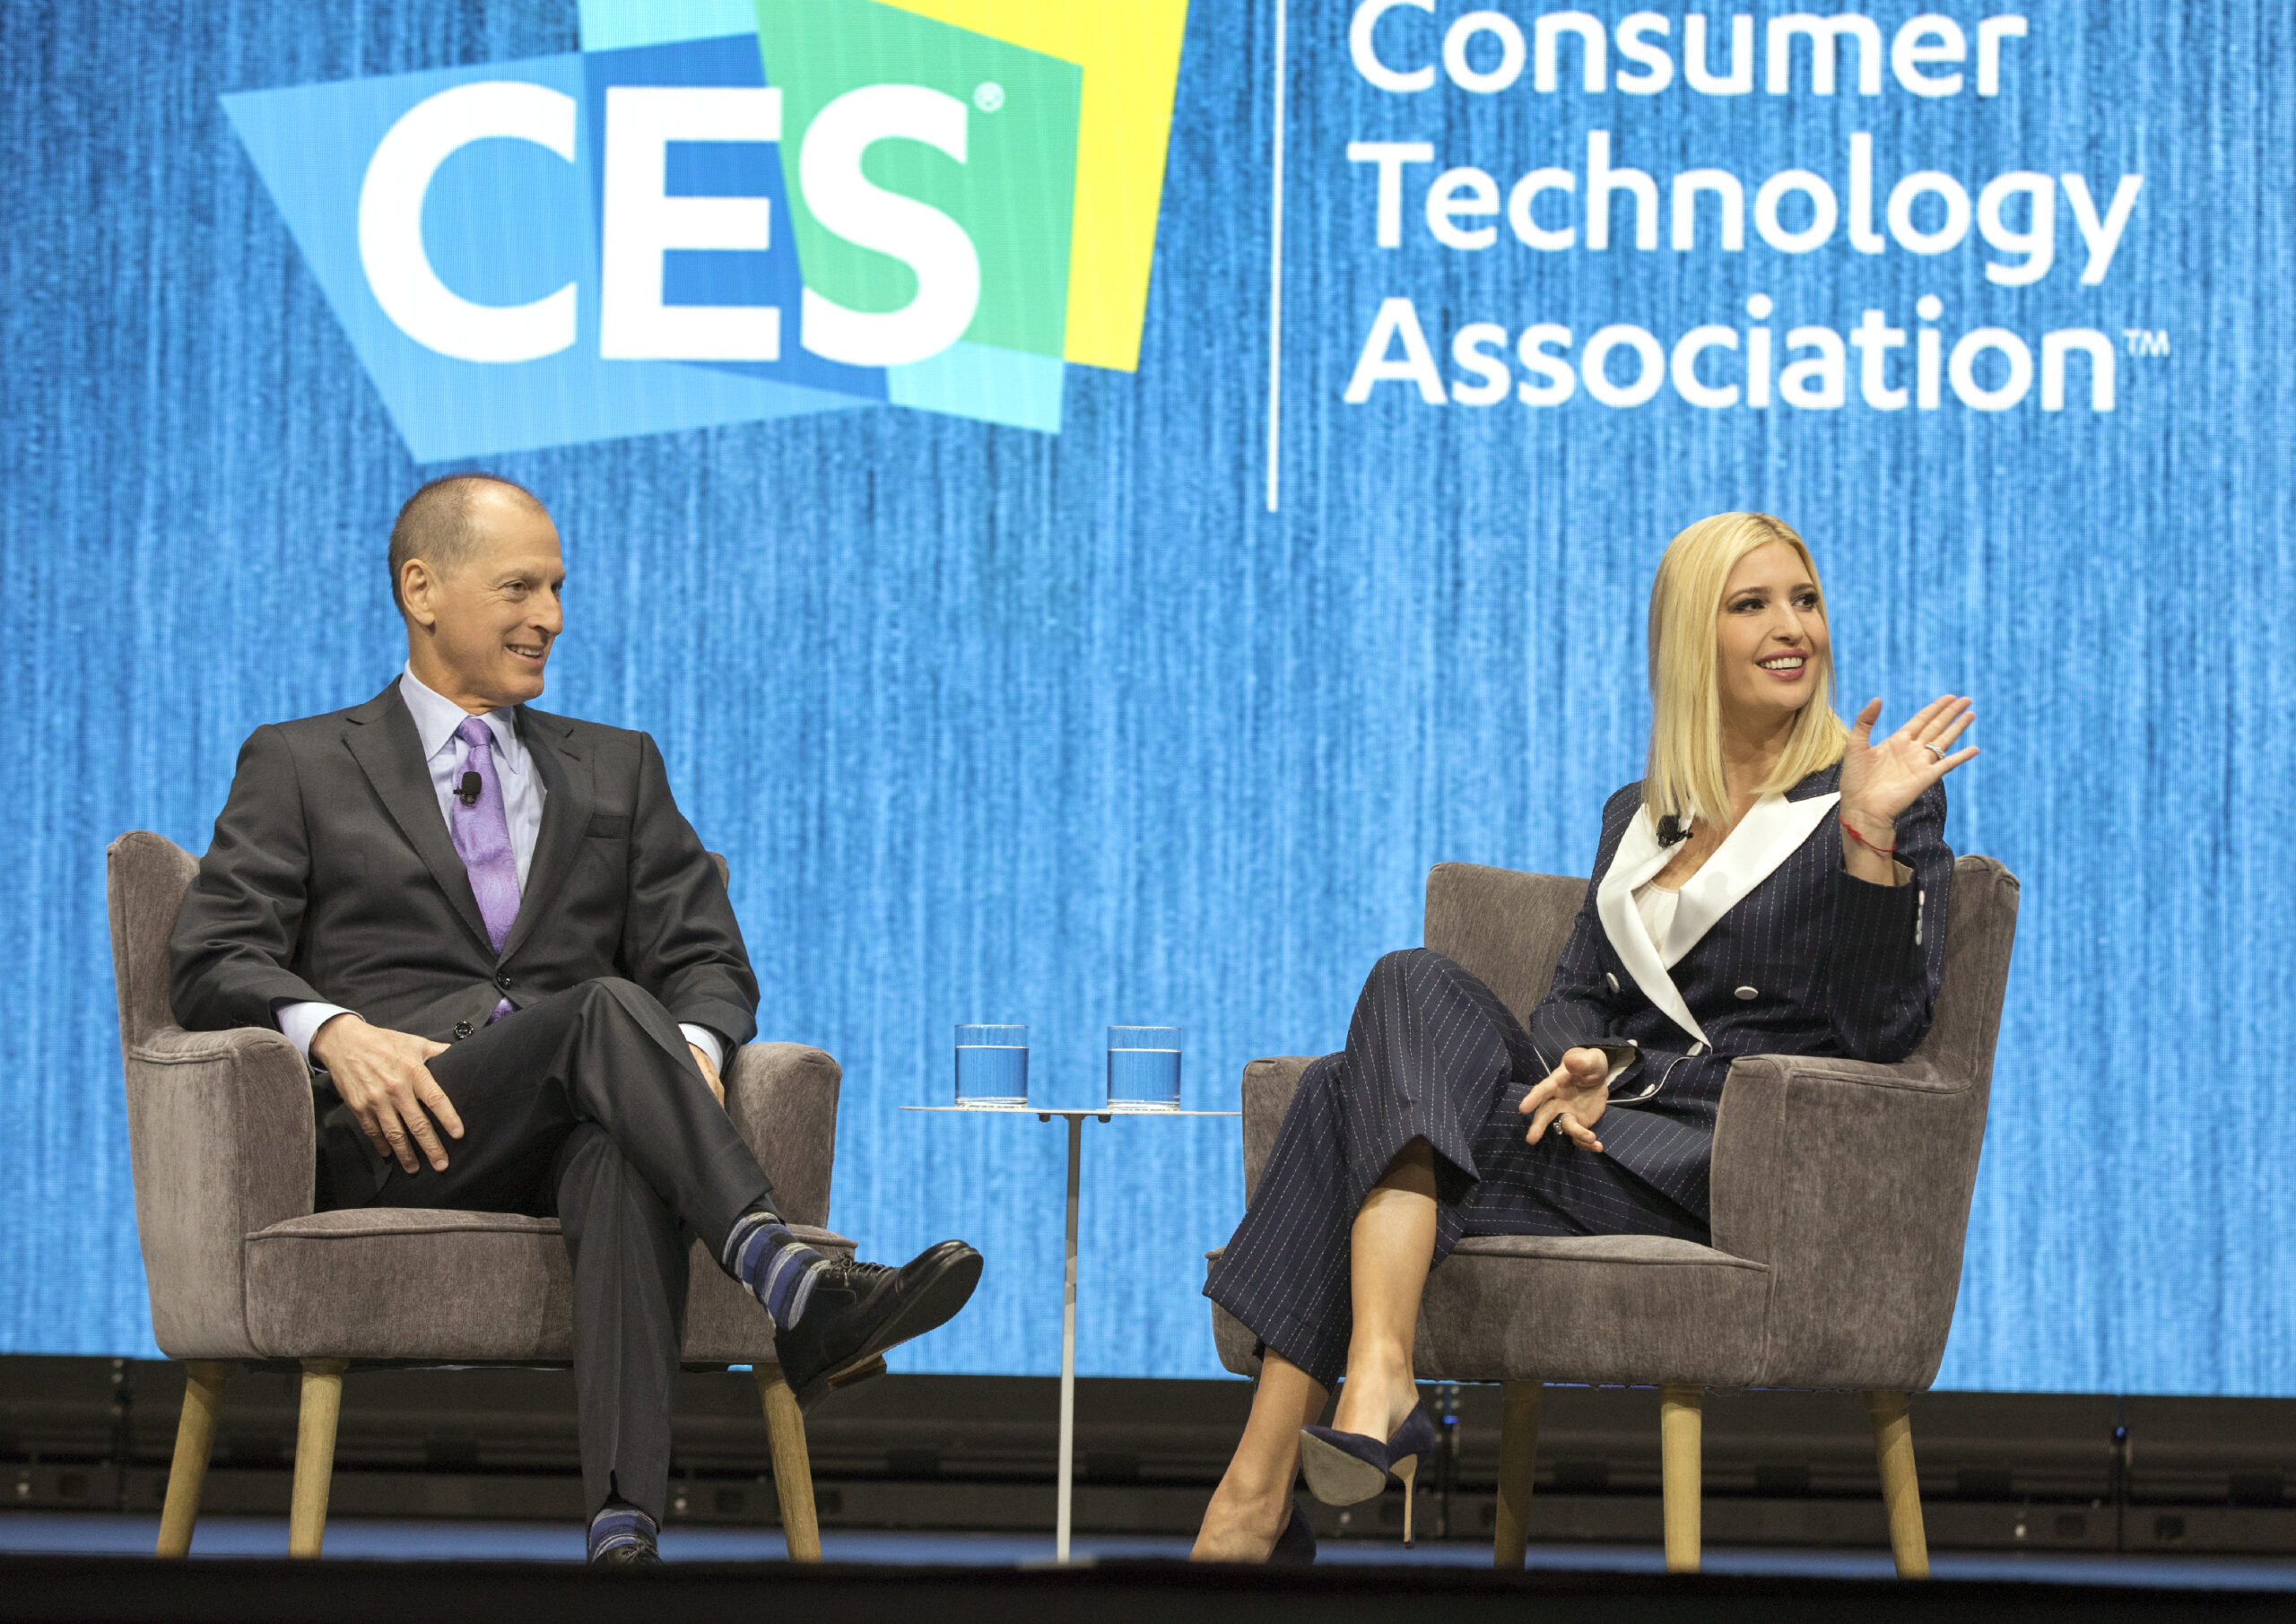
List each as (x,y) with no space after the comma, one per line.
(1850,829)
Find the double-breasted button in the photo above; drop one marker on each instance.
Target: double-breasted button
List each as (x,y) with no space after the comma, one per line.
(1749,993)
(504,982)
(1611,980)
(463,1028)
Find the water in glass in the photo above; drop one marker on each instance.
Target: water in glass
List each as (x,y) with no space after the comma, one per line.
(993,1066)
(1144,1068)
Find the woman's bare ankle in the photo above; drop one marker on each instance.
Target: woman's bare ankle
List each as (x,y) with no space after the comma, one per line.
(1243,1522)
(1376,1401)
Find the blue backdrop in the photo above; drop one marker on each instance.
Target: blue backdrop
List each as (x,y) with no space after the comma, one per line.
(1070,729)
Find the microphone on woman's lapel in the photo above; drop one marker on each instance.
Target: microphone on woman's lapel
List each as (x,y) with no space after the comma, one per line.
(1673,830)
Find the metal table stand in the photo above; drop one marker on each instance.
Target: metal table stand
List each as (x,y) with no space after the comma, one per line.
(1075,1120)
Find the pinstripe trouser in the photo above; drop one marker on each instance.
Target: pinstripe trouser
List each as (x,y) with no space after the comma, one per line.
(1430,1054)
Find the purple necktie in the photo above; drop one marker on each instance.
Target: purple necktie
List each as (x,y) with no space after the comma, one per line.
(482,837)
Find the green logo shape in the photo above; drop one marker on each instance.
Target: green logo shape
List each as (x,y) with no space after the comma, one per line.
(1014,194)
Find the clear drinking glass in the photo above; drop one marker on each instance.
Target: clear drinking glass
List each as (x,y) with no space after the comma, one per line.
(993,1066)
(1144,1068)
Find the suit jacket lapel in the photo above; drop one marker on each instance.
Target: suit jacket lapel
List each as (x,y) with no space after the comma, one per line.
(1639,856)
(381,738)
(565,818)
(1771,832)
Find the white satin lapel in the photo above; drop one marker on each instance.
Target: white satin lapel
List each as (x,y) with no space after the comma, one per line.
(1771,832)
(1638,858)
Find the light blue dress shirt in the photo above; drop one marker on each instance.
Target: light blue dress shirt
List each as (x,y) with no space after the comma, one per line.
(444,754)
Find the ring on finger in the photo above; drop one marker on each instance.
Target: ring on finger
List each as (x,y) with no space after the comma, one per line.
(1935,754)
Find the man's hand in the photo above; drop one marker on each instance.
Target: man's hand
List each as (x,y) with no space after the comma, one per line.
(381,1075)
(709,1071)
(1571,1098)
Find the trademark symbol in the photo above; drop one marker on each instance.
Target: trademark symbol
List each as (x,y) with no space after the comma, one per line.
(2145,340)
(988,96)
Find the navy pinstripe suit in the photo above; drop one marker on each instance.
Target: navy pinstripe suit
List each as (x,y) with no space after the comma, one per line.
(1810,960)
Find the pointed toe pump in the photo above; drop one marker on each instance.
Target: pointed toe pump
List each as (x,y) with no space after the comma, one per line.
(1295,1547)
(1348,1468)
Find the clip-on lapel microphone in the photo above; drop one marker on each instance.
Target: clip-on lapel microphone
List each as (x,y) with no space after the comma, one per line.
(467,792)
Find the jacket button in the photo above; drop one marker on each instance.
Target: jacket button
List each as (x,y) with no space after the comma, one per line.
(504,982)
(463,1028)
(1749,993)
(1611,980)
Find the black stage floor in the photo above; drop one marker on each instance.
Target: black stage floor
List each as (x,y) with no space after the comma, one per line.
(473,1539)
(84,1590)
(80,1568)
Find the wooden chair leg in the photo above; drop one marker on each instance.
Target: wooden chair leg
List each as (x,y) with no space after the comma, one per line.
(315,1455)
(202,1398)
(1518,1455)
(792,1466)
(1900,1487)
(1681,1473)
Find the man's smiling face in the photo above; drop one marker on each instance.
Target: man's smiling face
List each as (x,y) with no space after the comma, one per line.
(483,632)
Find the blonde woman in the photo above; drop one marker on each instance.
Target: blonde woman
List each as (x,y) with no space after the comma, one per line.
(1774,884)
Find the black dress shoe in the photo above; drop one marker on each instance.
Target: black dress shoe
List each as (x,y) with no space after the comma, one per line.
(629,1553)
(858,1310)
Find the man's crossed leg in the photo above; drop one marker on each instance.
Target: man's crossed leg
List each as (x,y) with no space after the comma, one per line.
(589,1105)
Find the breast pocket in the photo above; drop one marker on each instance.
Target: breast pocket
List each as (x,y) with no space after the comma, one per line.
(604,862)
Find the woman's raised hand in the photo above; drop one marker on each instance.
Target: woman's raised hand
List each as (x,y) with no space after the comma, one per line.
(1880,779)
(1571,1098)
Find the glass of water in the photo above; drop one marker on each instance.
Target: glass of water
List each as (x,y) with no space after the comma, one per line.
(992,1067)
(1144,1068)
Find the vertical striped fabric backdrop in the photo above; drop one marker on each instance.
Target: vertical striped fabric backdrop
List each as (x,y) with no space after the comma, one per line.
(1069,729)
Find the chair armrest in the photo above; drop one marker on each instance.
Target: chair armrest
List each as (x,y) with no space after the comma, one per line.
(1852,1181)
(783,1099)
(1269,1088)
(223,1141)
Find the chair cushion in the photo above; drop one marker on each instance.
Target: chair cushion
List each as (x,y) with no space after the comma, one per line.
(1602,1249)
(363,1223)
(1625,1309)
(459,1287)
(1629,1309)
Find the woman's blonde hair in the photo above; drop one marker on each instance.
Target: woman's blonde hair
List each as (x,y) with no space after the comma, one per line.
(1684,778)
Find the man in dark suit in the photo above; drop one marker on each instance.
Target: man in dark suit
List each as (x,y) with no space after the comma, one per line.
(516,974)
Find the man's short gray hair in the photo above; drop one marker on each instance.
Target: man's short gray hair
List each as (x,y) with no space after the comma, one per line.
(435,525)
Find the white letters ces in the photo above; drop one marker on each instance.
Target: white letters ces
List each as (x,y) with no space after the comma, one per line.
(643,222)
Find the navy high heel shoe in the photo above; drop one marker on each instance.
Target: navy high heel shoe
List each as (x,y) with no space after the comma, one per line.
(1295,1547)
(1348,1468)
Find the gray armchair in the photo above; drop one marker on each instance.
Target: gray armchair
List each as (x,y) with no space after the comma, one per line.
(224,1144)
(1840,1199)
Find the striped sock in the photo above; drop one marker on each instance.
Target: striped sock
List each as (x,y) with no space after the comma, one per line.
(779,1268)
(617,1525)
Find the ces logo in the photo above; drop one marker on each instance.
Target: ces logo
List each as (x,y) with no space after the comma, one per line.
(722,210)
